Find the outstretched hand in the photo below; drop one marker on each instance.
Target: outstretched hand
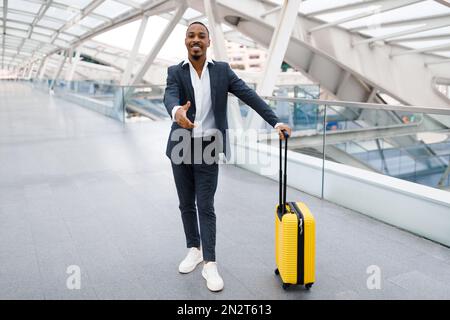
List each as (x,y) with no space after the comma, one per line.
(181,117)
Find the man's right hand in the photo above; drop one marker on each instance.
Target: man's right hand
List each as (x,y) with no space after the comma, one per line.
(182,119)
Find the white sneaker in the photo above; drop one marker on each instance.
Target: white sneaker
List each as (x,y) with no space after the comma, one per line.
(214,281)
(193,258)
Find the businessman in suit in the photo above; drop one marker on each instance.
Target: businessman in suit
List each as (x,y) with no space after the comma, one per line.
(196,99)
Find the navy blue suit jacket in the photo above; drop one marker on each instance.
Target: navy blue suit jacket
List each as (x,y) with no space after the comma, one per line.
(179,90)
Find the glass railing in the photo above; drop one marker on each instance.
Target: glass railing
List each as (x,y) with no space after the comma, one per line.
(144,102)
(123,103)
(105,98)
(405,142)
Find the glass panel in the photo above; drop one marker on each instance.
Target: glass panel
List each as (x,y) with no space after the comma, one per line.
(376,32)
(61,13)
(24,6)
(48,47)
(102,97)
(17,25)
(28,48)
(434,32)
(66,37)
(316,5)
(417,10)
(20,17)
(40,37)
(80,4)
(13,40)
(62,43)
(144,103)
(91,22)
(409,146)
(443,53)
(306,142)
(334,16)
(10,51)
(50,23)
(25,53)
(43,30)
(76,30)
(374,24)
(31,42)
(427,44)
(142,1)
(191,13)
(111,9)
(18,33)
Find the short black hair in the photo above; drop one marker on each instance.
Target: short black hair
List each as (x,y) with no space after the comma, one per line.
(200,23)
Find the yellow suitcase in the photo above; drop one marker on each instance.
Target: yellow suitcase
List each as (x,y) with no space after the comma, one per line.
(294,237)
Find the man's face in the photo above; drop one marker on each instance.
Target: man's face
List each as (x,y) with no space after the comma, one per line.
(197,41)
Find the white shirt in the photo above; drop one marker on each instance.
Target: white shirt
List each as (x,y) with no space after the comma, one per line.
(204,118)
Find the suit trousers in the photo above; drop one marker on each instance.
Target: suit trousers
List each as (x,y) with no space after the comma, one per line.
(196,184)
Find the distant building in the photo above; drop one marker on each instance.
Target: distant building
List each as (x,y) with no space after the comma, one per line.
(245,58)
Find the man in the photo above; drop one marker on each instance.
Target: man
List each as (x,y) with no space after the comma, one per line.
(196,99)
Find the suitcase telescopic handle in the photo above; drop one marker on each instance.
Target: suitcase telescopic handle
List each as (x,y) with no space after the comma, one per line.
(283,182)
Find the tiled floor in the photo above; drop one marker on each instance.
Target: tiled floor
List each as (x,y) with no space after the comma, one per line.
(77,188)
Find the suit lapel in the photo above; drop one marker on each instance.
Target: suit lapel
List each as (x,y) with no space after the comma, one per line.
(213,83)
(187,79)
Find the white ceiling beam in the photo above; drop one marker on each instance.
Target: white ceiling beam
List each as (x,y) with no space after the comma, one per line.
(155,7)
(220,53)
(27,25)
(235,36)
(435,25)
(32,15)
(401,23)
(84,13)
(421,39)
(42,10)
(99,17)
(159,43)
(276,53)
(220,50)
(444,2)
(73,66)
(59,70)
(382,6)
(130,3)
(134,52)
(445,46)
(273,10)
(346,7)
(79,11)
(169,16)
(432,63)
(39,16)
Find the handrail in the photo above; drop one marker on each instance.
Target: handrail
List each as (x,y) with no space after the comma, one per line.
(364,105)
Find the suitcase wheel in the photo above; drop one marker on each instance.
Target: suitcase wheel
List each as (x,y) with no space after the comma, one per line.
(308,286)
(277,272)
(286,286)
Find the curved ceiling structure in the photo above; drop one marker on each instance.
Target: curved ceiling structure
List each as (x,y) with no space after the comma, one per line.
(356,49)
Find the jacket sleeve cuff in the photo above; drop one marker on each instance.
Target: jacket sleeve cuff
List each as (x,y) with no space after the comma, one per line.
(277,124)
(174,110)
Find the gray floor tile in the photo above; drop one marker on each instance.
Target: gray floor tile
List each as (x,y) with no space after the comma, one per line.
(77,188)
